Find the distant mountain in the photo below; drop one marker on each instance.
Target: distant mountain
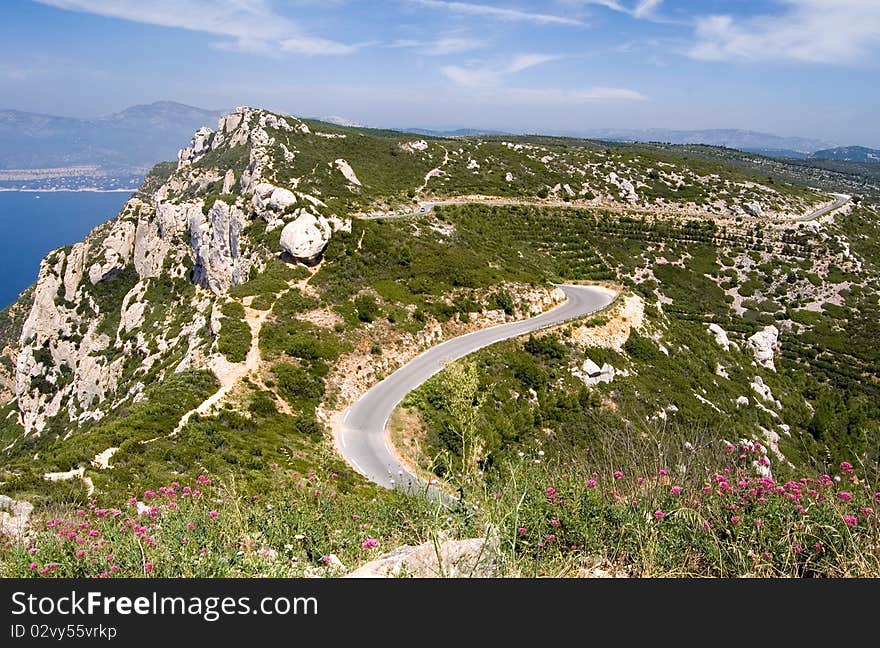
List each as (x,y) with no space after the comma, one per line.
(461,132)
(744,140)
(125,142)
(341,121)
(849,154)
(778,153)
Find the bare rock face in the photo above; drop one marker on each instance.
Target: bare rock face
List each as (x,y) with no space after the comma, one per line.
(763,345)
(228,181)
(305,237)
(157,232)
(200,145)
(215,243)
(721,337)
(470,558)
(116,250)
(58,366)
(14,516)
(269,197)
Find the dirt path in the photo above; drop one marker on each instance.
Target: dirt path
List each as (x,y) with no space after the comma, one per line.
(229,373)
(433,173)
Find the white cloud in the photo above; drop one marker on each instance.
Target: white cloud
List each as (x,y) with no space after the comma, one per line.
(491,74)
(443,46)
(583,95)
(471,77)
(312,46)
(640,9)
(500,13)
(646,8)
(487,83)
(248,25)
(815,31)
(525,61)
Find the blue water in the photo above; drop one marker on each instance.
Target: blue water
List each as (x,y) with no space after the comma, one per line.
(32,224)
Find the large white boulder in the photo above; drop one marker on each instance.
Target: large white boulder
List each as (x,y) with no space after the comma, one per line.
(305,237)
(763,345)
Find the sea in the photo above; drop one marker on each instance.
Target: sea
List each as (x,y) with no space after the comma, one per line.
(32,224)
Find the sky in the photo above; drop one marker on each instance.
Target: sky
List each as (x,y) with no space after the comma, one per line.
(791,67)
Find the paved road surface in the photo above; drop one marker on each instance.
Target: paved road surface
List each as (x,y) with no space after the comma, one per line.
(361,436)
(842,199)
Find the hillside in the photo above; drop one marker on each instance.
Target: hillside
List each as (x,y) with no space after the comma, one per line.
(848,154)
(250,292)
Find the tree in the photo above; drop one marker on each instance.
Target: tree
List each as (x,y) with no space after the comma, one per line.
(460,391)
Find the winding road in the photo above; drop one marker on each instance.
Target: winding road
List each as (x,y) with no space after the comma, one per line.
(427,206)
(842,199)
(361,437)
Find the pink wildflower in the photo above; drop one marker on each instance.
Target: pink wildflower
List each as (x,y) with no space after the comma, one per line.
(33,566)
(521,531)
(675,490)
(213,514)
(846,467)
(843,495)
(148,567)
(617,474)
(660,515)
(554,523)
(850,520)
(591,483)
(369,543)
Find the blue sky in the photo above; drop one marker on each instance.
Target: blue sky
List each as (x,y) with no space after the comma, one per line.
(792,67)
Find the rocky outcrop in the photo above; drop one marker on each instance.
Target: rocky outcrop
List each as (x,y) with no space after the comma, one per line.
(269,197)
(200,145)
(14,516)
(415,145)
(470,558)
(721,337)
(346,170)
(592,374)
(157,232)
(215,244)
(763,345)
